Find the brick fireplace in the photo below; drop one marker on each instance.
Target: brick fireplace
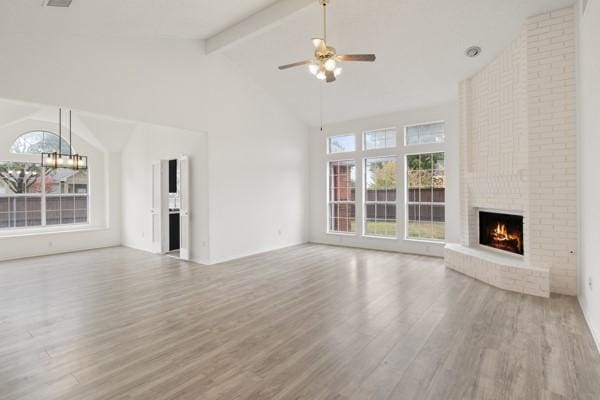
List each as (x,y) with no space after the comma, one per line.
(517,156)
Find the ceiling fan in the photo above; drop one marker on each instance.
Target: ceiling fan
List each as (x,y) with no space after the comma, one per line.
(324,65)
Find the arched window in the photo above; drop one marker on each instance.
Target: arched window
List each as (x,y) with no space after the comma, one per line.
(35,196)
(37,142)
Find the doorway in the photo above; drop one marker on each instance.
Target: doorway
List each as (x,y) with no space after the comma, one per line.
(174,209)
(170,208)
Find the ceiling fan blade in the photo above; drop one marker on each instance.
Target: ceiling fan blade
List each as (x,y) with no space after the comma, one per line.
(356,57)
(319,43)
(329,77)
(296,64)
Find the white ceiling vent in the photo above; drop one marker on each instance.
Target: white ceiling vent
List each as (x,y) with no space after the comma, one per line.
(57,3)
(473,51)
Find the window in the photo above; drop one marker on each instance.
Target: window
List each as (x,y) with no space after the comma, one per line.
(426,186)
(380,196)
(38,142)
(33,196)
(381,139)
(425,134)
(66,196)
(341,144)
(342,196)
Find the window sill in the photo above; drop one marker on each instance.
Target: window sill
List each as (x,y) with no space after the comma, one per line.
(341,234)
(50,231)
(428,241)
(380,237)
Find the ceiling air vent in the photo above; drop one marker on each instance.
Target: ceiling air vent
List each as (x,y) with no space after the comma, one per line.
(57,3)
(473,51)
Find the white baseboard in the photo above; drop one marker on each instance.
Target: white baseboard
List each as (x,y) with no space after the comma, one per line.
(595,334)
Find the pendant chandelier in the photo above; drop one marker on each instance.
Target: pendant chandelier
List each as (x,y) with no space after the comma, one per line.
(63,160)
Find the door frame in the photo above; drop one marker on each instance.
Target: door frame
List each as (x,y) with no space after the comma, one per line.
(160,206)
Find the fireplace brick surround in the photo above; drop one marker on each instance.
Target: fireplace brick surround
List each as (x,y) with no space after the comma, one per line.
(517,153)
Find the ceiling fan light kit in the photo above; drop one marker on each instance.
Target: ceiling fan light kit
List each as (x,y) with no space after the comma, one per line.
(325,64)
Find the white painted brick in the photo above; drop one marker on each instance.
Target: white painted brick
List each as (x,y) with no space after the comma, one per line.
(518,149)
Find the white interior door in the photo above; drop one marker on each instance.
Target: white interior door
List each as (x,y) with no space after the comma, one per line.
(184,211)
(156,209)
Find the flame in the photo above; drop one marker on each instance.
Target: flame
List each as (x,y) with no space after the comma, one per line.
(500,234)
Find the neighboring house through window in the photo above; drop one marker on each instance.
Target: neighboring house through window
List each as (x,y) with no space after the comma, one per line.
(342,196)
(32,196)
(422,168)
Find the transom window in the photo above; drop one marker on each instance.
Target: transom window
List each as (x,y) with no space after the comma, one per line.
(425,133)
(341,144)
(380,196)
(380,139)
(37,142)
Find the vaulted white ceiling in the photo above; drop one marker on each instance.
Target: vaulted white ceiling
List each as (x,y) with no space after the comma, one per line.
(104,133)
(190,19)
(419,43)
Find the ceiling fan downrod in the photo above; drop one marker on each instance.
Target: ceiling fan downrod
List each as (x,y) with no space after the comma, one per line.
(324,3)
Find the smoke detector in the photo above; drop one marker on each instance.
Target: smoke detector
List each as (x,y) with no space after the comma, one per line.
(57,3)
(473,51)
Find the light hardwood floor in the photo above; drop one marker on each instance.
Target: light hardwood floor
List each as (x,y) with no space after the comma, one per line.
(307,322)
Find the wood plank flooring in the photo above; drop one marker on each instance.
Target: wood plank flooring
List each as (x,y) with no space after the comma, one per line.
(307,322)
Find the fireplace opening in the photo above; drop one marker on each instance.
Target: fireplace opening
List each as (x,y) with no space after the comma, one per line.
(501,231)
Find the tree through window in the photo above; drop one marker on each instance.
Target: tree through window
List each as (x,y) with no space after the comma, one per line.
(426,187)
(33,196)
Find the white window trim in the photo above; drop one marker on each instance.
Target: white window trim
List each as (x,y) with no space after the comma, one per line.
(49,230)
(329,201)
(407,203)
(400,151)
(43,196)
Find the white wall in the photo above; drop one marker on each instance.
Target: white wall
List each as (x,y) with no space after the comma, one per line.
(319,159)
(149,144)
(257,151)
(588,164)
(103,229)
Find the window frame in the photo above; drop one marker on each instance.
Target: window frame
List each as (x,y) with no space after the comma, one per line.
(329,201)
(407,203)
(365,202)
(43,195)
(400,153)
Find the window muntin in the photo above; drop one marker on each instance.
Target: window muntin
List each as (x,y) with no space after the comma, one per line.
(425,133)
(31,196)
(426,187)
(342,196)
(380,139)
(341,144)
(37,142)
(380,196)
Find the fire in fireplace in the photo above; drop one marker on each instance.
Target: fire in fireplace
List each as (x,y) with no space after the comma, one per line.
(501,231)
